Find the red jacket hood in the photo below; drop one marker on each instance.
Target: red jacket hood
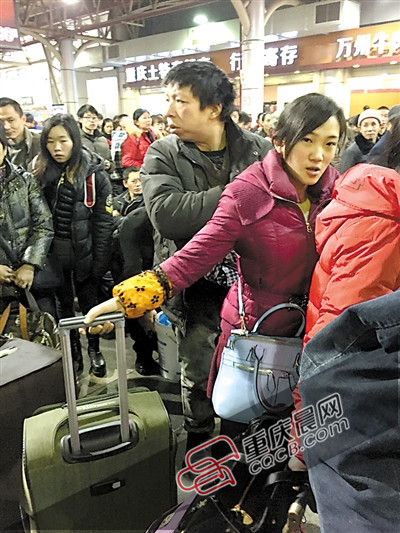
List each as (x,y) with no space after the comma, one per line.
(363,189)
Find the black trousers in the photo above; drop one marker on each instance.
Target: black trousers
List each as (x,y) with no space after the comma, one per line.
(85,290)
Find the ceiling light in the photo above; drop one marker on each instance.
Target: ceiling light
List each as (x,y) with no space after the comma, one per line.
(200,19)
(271,38)
(290,34)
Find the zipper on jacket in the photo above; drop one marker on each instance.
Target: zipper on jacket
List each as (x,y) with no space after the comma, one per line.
(308,225)
(59,183)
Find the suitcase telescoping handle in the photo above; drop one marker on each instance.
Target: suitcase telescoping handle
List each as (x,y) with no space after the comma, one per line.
(65,325)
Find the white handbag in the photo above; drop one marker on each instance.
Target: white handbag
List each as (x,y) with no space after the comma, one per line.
(258,372)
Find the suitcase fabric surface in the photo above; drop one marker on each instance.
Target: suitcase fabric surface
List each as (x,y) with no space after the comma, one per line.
(115,474)
(30,376)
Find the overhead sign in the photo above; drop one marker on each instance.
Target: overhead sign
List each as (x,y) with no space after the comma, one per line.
(374,45)
(149,72)
(154,71)
(377,44)
(9,35)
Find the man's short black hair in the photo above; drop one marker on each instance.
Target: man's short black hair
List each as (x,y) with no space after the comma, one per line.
(9,101)
(3,136)
(207,82)
(128,170)
(87,107)
(244,118)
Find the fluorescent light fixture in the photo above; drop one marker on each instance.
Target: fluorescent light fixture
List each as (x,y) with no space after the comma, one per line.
(290,34)
(200,19)
(356,65)
(270,38)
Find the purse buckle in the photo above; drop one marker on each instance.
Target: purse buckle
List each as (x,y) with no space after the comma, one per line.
(243,324)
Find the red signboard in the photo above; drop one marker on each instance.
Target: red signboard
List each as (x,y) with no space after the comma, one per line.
(9,36)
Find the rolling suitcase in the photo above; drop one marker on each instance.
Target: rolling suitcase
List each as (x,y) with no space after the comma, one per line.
(103,465)
(30,376)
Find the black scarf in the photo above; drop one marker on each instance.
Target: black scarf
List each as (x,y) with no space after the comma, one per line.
(365,145)
(150,136)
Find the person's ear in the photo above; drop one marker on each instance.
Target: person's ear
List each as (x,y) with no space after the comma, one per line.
(215,111)
(280,147)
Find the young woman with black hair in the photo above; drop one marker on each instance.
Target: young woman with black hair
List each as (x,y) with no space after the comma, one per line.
(78,191)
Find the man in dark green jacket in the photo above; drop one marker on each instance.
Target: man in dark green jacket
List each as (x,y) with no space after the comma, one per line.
(183,176)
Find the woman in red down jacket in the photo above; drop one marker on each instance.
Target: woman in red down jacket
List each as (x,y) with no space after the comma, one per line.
(140,137)
(358,239)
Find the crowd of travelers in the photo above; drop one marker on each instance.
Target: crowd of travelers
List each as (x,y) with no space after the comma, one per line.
(147,212)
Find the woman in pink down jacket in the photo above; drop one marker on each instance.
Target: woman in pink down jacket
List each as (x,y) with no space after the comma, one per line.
(267,215)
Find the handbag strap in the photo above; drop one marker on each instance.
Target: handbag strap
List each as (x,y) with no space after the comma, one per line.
(32,303)
(241,305)
(4,318)
(23,313)
(267,313)
(23,322)
(267,406)
(278,308)
(12,256)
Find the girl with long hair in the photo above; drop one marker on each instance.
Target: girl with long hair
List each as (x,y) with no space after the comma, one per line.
(79,195)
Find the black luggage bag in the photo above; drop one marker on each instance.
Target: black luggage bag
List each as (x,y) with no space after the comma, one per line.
(30,376)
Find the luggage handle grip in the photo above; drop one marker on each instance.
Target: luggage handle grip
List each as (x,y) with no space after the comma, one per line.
(78,321)
(65,325)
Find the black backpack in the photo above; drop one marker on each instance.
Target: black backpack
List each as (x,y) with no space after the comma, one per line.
(262,503)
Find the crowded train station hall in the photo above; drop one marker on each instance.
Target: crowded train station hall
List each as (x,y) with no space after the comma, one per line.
(199,266)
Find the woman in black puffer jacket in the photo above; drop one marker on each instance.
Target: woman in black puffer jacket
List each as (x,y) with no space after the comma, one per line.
(79,195)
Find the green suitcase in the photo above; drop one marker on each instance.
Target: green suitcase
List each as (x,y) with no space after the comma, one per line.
(103,465)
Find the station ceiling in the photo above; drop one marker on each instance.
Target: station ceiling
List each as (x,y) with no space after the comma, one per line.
(93,19)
